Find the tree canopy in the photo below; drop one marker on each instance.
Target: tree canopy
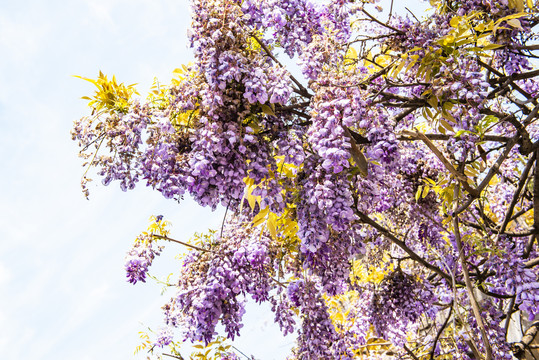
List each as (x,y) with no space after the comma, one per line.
(384,199)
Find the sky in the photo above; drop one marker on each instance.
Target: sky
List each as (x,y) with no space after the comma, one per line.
(62,282)
(63,293)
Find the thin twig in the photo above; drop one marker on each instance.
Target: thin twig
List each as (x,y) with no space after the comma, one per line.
(269,53)
(461,177)
(509,314)
(363,217)
(249,358)
(183,243)
(536,194)
(473,301)
(390,12)
(493,138)
(516,195)
(381,23)
(529,246)
(410,353)
(440,331)
(496,167)
(412,14)
(174,356)
(223,223)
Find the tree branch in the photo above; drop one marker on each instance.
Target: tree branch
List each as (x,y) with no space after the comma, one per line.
(367,220)
(440,331)
(303,90)
(183,243)
(519,348)
(461,177)
(496,167)
(516,195)
(469,288)
(381,23)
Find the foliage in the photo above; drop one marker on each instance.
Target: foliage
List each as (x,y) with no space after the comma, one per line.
(385,201)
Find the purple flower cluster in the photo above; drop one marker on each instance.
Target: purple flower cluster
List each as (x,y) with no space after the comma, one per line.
(164,337)
(513,278)
(293,22)
(230,356)
(214,284)
(326,204)
(121,135)
(284,315)
(398,304)
(317,338)
(140,257)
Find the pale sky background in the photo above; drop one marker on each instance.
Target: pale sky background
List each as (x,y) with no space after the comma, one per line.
(63,293)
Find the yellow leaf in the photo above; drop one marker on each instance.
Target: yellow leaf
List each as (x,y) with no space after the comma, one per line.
(448,40)
(261,216)
(455,21)
(410,65)
(351,56)
(425,192)
(272,220)
(339,317)
(359,159)
(495,180)
(515,23)
(470,172)
(492,47)
(442,129)
(480,28)
(398,68)
(383,60)
(251,199)
(512,16)
(448,116)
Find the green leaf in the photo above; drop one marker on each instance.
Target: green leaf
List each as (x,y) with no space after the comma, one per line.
(433,101)
(360,160)
(429,112)
(446,125)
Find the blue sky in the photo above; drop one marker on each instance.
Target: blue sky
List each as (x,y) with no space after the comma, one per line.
(62,283)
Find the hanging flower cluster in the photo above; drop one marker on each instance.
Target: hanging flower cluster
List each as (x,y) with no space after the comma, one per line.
(404,146)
